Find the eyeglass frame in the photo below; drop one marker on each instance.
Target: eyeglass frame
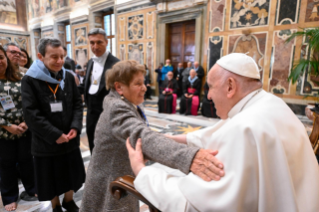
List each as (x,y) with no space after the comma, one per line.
(14,52)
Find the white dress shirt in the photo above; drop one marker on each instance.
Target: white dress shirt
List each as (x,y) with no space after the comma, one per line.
(97,72)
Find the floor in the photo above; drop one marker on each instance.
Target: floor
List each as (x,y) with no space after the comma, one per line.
(164,123)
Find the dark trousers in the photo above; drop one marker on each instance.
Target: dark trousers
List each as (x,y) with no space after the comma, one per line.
(93,114)
(11,153)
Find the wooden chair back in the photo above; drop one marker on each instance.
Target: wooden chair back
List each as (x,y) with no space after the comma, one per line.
(123,186)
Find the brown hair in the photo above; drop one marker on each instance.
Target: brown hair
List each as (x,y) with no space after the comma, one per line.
(123,72)
(11,75)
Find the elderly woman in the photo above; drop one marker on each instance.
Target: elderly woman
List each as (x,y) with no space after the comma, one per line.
(15,140)
(122,118)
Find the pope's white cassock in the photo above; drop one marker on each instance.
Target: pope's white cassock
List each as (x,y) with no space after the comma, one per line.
(268,161)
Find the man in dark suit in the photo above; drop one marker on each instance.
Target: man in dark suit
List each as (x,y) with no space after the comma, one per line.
(68,60)
(200,74)
(94,84)
(179,79)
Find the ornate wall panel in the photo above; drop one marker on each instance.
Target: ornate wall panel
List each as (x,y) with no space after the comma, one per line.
(135,27)
(216,15)
(312,12)
(282,55)
(122,52)
(215,50)
(22,41)
(249,13)
(122,28)
(253,45)
(287,11)
(150,25)
(150,54)
(136,52)
(46,34)
(80,44)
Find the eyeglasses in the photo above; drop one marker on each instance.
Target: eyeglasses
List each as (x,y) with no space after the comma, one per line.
(15,52)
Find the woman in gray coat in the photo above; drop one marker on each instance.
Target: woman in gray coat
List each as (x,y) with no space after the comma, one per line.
(122,118)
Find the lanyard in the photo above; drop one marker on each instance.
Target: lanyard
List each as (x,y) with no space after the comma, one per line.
(54,92)
(143,115)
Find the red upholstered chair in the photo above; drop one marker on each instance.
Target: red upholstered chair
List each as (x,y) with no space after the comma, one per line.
(123,186)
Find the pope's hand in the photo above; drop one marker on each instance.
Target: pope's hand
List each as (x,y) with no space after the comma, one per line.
(207,166)
(136,156)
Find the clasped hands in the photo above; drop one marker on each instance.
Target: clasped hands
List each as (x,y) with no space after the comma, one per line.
(188,95)
(66,138)
(205,164)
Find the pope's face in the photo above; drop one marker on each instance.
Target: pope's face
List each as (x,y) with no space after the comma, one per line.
(53,59)
(136,90)
(217,92)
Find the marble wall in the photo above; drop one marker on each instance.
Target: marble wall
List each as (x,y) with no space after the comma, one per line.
(261,27)
(136,37)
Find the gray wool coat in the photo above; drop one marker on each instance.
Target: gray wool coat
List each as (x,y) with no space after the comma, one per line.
(110,160)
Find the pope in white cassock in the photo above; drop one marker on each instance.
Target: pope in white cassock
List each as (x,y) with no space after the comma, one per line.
(268,160)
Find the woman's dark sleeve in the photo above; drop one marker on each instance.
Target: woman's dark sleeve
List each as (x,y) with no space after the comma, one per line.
(77,109)
(34,118)
(155,146)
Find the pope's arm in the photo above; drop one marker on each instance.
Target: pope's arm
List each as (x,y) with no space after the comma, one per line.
(238,189)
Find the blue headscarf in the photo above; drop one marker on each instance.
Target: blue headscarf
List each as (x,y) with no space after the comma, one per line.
(192,80)
(39,71)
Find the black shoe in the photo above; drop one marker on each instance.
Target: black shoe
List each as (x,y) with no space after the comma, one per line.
(70,206)
(58,208)
(26,197)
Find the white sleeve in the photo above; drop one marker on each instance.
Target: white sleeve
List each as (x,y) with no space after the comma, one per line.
(200,138)
(161,189)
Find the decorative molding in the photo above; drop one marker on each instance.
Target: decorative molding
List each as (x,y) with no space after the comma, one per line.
(285,6)
(181,15)
(122,29)
(79,19)
(102,5)
(150,25)
(132,5)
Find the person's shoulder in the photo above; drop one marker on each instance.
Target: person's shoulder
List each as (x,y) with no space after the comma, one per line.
(113,58)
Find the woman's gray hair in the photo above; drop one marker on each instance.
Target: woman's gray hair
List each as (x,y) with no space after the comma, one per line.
(97,31)
(5,47)
(49,41)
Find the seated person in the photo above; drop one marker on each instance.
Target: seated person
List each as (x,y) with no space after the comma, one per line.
(167,98)
(208,106)
(190,100)
(268,159)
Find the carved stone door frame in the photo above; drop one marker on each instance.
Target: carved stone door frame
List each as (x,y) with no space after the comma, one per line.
(197,13)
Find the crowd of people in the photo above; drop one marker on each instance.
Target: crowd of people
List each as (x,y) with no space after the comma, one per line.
(254,159)
(185,84)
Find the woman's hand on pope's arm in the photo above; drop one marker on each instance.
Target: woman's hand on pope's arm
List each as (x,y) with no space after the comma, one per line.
(136,156)
(207,166)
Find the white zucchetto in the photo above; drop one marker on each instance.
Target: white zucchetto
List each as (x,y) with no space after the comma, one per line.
(241,64)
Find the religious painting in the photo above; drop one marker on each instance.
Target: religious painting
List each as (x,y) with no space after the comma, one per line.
(249,13)
(21,42)
(312,12)
(4,40)
(80,36)
(135,27)
(8,12)
(136,52)
(81,56)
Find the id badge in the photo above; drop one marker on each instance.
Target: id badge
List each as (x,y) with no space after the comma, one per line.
(7,102)
(56,107)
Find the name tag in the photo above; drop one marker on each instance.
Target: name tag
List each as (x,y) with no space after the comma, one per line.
(7,103)
(56,107)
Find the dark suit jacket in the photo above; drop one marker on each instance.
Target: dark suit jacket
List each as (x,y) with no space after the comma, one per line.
(102,92)
(71,62)
(200,72)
